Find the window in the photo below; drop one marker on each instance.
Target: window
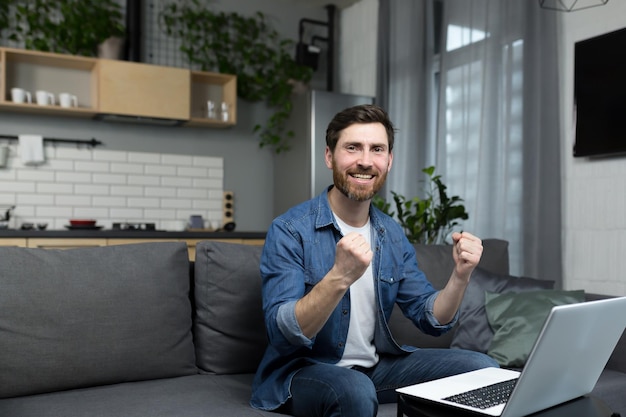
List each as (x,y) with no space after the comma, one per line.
(479,137)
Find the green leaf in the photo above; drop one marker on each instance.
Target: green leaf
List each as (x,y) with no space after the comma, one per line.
(429,219)
(247,46)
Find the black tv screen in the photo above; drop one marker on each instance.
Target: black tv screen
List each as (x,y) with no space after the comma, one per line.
(600,95)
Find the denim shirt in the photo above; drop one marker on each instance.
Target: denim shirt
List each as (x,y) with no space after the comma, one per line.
(299,251)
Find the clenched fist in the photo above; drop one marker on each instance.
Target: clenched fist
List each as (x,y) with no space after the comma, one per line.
(352,257)
(466,253)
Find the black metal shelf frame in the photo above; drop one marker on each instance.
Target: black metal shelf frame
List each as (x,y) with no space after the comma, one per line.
(89,142)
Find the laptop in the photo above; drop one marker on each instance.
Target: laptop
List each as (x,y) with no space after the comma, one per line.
(565,363)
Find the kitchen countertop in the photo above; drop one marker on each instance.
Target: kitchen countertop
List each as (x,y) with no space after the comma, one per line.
(129,234)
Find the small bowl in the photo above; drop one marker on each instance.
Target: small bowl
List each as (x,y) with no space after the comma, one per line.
(27,226)
(82,222)
(42,226)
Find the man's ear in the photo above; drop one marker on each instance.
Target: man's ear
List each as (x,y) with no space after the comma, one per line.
(328,157)
(390,161)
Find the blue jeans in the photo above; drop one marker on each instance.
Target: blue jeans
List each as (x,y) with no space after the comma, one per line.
(332,391)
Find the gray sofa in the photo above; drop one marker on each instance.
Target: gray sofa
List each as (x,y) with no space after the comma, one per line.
(138,330)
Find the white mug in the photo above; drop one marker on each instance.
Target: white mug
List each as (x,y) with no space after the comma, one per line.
(19,95)
(225,108)
(211,109)
(44,98)
(68,100)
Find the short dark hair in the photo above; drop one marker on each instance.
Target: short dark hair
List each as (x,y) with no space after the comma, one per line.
(363,113)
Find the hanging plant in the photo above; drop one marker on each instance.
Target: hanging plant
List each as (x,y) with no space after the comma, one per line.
(426,220)
(5,17)
(246,46)
(75,27)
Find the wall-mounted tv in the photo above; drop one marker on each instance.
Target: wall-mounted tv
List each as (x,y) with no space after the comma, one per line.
(600,95)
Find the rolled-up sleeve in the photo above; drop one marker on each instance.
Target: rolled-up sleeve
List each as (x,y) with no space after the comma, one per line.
(289,327)
(282,275)
(432,320)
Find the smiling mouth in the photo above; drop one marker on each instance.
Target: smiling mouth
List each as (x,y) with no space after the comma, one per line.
(362,176)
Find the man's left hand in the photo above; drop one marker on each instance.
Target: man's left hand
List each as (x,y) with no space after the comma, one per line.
(466,253)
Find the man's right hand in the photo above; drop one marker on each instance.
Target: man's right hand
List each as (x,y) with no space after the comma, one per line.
(352,257)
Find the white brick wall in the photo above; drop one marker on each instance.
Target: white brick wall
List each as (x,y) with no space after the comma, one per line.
(112,186)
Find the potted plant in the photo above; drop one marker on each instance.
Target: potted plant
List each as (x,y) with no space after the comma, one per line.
(66,26)
(426,220)
(246,46)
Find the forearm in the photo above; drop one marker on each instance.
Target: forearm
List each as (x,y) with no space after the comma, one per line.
(449,299)
(466,252)
(313,310)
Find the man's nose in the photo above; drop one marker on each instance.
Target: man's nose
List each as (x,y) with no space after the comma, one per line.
(365,159)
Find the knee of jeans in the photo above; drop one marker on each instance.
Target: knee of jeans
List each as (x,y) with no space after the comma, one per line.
(360,395)
(482,360)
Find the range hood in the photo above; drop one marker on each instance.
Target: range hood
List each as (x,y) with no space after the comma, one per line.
(156,121)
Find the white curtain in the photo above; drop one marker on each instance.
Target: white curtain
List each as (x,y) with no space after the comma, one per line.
(403,89)
(494,135)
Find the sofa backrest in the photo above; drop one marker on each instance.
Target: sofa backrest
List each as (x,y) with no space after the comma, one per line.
(93,316)
(228,326)
(437,264)
(229,329)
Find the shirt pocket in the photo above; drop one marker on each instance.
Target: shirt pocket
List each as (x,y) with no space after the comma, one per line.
(391,276)
(311,277)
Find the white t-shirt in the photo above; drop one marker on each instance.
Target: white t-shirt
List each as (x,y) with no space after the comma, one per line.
(359,349)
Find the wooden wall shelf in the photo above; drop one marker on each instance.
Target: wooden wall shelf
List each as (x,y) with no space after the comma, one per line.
(115,87)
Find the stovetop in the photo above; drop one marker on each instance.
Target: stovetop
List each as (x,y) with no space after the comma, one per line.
(134,226)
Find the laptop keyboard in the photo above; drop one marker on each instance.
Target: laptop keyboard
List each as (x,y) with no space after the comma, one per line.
(485,397)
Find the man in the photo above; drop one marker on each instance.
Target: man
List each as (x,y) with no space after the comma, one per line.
(333,268)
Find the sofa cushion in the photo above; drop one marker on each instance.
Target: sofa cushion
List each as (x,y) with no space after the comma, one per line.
(473,331)
(229,328)
(187,396)
(93,316)
(437,264)
(517,319)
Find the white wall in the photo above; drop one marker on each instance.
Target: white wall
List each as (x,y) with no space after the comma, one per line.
(594,191)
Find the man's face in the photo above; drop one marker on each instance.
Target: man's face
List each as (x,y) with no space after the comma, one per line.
(361,160)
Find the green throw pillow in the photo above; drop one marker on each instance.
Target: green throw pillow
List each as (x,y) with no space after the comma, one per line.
(517,319)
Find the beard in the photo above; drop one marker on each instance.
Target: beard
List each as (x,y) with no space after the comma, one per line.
(358,192)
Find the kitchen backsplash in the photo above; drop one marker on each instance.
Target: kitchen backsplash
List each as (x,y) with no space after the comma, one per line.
(111,186)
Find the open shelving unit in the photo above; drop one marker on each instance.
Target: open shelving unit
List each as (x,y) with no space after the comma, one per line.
(55,73)
(116,88)
(218,88)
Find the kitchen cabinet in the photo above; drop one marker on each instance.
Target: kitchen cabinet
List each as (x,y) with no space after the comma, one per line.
(218,89)
(13,242)
(60,243)
(191,243)
(54,73)
(68,243)
(110,88)
(143,90)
